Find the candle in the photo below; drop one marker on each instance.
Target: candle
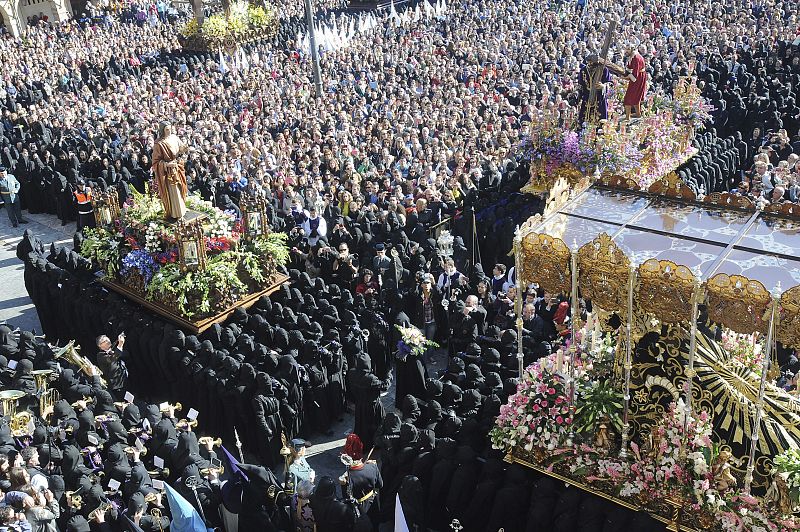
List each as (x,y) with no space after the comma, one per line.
(596,335)
(559,360)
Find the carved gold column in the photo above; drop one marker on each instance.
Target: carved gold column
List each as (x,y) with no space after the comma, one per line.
(518,301)
(573,347)
(626,392)
(751,460)
(690,372)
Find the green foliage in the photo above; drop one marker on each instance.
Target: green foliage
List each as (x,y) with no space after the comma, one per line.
(788,463)
(145,209)
(273,245)
(103,248)
(598,399)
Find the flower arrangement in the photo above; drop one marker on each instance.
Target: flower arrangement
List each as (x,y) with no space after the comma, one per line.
(191,29)
(553,146)
(412,342)
(643,150)
(745,349)
(141,261)
(788,464)
(661,472)
(244,22)
(141,251)
(538,414)
(597,399)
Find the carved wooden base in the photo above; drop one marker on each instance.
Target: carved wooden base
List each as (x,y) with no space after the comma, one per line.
(195,327)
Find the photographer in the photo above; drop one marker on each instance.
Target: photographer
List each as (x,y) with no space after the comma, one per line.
(111,362)
(343,269)
(463,322)
(367,285)
(41,511)
(504,309)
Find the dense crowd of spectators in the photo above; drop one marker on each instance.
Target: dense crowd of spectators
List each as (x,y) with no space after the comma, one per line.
(414,133)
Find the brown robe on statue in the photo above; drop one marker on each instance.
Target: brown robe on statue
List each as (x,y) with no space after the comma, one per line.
(170,176)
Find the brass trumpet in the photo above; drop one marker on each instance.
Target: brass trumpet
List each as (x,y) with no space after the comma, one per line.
(152,497)
(103,508)
(220,470)
(162,473)
(186,424)
(164,407)
(205,440)
(131,450)
(80,404)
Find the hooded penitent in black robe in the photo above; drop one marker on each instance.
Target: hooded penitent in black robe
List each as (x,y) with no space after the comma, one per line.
(411,376)
(331,514)
(510,503)
(268,422)
(366,390)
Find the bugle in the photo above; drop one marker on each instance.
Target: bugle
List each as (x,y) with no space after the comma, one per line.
(219,470)
(186,424)
(130,450)
(165,407)
(205,440)
(103,508)
(159,473)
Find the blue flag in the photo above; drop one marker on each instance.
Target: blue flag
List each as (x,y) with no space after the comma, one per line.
(184,516)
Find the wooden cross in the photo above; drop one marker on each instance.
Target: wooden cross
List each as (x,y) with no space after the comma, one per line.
(591,107)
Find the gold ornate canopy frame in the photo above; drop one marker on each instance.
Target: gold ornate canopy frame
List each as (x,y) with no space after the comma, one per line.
(650,293)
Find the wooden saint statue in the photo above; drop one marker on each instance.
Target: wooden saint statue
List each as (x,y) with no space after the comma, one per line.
(169,173)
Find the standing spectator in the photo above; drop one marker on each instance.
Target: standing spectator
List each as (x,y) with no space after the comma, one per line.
(9,189)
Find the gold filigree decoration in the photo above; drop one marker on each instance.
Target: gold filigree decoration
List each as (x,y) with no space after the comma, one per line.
(557,197)
(788,332)
(665,290)
(546,261)
(726,199)
(540,181)
(582,185)
(106,207)
(737,302)
(569,172)
(191,244)
(785,209)
(543,181)
(673,186)
(531,224)
(603,269)
(626,183)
